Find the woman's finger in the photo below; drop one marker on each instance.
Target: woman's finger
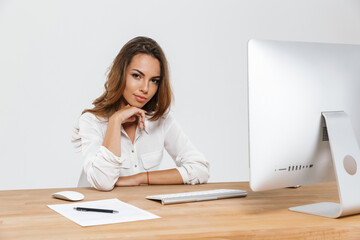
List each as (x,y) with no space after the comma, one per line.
(143,118)
(131,119)
(141,121)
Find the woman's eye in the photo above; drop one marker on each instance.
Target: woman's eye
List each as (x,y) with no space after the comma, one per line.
(155,81)
(137,76)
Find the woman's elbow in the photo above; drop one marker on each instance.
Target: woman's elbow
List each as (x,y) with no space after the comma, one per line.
(100,183)
(104,187)
(205,172)
(204,175)
(199,174)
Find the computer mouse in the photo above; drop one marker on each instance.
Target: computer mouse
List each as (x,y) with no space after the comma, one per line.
(69,195)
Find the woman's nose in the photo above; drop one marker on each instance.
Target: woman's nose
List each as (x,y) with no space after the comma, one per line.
(145,86)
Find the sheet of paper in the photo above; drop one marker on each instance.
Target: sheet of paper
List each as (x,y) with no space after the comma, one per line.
(127,212)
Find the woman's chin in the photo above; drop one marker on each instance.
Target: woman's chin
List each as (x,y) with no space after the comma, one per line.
(137,104)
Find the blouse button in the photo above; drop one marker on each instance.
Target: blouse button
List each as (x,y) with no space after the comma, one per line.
(135,165)
(132,151)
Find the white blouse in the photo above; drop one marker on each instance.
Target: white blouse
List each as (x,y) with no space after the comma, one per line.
(102,168)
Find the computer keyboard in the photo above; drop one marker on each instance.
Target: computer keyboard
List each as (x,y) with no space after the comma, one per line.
(197,196)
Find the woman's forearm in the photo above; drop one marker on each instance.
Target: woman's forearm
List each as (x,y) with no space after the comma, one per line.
(112,140)
(170,176)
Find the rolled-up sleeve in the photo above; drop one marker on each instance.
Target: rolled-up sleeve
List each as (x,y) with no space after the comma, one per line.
(191,164)
(100,165)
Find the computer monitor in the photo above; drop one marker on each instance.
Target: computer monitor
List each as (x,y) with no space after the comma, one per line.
(304,119)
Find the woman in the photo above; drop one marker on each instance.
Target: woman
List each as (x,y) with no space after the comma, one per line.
(123,136)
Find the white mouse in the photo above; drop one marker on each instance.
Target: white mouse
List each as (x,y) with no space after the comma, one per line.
(69,195)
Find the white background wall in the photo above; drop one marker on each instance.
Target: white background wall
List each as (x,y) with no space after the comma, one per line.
(54,56)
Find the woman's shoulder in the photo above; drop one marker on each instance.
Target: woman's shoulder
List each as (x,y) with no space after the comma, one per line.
(160,123)
(91,118)
(166,118)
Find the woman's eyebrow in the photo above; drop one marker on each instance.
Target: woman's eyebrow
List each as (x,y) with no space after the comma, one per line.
(141,73)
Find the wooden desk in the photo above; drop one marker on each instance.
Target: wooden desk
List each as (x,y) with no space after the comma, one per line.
(263,215)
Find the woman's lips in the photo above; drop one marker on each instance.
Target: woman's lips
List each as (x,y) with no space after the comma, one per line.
(140,99)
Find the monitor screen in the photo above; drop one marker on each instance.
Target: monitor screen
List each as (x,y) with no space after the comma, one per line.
(290,85)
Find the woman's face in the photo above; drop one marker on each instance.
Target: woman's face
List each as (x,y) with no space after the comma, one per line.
(142,80)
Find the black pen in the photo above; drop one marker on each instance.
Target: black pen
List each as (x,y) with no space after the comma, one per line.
(83,209)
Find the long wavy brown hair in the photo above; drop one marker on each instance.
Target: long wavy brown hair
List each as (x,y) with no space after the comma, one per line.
(109,102)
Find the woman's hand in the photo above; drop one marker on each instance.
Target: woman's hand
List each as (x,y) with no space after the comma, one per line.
(130,114)
(112,140)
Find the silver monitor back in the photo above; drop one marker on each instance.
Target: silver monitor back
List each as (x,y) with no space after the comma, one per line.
(289,85)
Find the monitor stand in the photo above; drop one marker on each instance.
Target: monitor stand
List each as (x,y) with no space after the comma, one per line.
(345,156)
